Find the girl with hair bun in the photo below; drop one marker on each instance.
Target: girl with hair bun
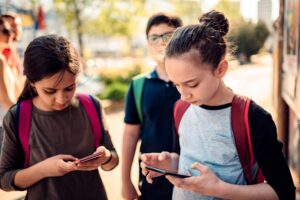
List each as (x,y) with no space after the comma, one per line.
(196,63)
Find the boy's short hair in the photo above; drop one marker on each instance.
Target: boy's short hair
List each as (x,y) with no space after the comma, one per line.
(163,18)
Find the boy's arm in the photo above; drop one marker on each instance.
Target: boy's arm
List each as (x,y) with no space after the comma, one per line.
(130,139)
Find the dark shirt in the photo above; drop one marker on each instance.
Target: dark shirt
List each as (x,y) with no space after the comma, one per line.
(157,133)
(157,106)
(54,132)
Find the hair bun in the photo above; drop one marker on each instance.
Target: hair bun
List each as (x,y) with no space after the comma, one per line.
(215,20)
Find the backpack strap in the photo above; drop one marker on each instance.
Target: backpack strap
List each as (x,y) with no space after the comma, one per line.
(241,130)
(90,108)
(138,86)
(179,109)
(24,123)
(25,108)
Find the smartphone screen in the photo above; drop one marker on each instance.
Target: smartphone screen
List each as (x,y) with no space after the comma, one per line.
(165,172)
(89,157)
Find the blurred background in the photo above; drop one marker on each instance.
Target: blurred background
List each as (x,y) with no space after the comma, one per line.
(110,36)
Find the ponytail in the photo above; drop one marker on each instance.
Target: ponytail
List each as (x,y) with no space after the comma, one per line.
(27,93)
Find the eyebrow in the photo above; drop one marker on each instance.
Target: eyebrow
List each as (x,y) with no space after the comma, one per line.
(189,81)
(56,89)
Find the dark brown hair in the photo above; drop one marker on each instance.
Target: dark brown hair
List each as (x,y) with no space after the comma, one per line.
(46,56)
(163,18)
(205,38)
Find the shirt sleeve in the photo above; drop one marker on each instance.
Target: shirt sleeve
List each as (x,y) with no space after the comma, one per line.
(131,114)
(12,156)
(268,153)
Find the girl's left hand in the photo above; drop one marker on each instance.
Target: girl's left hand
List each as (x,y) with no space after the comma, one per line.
(207,183)
(95,163)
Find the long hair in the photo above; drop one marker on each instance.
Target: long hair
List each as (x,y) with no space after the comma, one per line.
(46,56)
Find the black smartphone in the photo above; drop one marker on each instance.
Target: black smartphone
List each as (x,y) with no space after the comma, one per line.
(165,172)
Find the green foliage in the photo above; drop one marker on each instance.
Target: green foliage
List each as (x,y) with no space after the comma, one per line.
(117,18)
(115,91)
(116,82)
(249,38)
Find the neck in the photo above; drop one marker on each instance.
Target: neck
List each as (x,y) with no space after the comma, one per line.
(161,72)
(223,95)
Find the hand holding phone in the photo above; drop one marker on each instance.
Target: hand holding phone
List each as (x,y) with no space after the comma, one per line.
(89,157)
(166,172)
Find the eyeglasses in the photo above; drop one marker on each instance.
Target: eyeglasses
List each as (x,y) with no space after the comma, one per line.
(165,37)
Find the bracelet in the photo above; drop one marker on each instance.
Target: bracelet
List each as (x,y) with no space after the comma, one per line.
(109,159)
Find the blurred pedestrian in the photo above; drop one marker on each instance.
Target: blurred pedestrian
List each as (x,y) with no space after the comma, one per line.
(60,130)
(16,26)
(196,63)
(9,82)
(148,113)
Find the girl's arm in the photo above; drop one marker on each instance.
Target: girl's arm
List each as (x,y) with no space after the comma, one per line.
(55,166)
(207,183)
(5,101)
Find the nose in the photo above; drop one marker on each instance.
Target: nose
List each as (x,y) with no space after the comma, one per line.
(61,98)
(185,95)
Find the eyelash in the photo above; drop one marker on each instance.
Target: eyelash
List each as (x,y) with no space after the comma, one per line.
(52,92)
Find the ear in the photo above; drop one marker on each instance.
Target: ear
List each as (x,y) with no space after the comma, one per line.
(221,69)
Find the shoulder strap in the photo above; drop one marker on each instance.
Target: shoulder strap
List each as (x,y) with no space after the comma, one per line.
(25,108)
(179,109)
(92,112)
(241,131)
(138,86)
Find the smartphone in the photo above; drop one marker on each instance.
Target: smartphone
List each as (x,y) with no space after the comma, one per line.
(165,172)
(89,157)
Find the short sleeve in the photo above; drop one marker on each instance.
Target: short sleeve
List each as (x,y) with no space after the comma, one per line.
(11,157)
(131,114)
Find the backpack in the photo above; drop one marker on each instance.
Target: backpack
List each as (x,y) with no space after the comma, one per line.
(241,131)
(138,86)
(24,109)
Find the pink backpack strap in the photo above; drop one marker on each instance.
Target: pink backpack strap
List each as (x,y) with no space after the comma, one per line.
(242,136)
(24,128)
(179,109)
(90,108)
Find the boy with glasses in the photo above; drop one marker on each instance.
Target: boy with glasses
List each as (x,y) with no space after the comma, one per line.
(150,118)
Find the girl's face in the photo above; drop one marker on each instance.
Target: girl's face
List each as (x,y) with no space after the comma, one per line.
(55,92)
(158,37)
(197,83)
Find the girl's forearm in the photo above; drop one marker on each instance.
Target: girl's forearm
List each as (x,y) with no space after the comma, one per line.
(112,162)
(29,176)
(246,192)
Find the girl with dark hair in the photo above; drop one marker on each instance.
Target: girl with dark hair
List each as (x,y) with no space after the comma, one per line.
(196,63)
(60,130)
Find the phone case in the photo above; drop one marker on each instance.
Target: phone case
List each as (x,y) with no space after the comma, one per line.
(90,157)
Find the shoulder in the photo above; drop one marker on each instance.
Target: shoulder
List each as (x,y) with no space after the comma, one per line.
(258,114)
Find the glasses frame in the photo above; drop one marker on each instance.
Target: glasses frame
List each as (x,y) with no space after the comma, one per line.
(155,38)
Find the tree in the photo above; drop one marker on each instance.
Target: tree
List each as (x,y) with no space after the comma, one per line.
(249,39)
(72,11)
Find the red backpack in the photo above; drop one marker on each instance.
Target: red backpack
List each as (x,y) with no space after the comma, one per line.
(241,132)
(24,122)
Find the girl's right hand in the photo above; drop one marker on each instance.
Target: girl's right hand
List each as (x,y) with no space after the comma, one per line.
(58,165)
(164,160)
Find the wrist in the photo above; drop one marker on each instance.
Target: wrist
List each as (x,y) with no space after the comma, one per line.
(108,160)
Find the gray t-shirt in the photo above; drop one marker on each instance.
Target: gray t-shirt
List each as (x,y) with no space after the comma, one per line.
(56,132)
(206,136)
